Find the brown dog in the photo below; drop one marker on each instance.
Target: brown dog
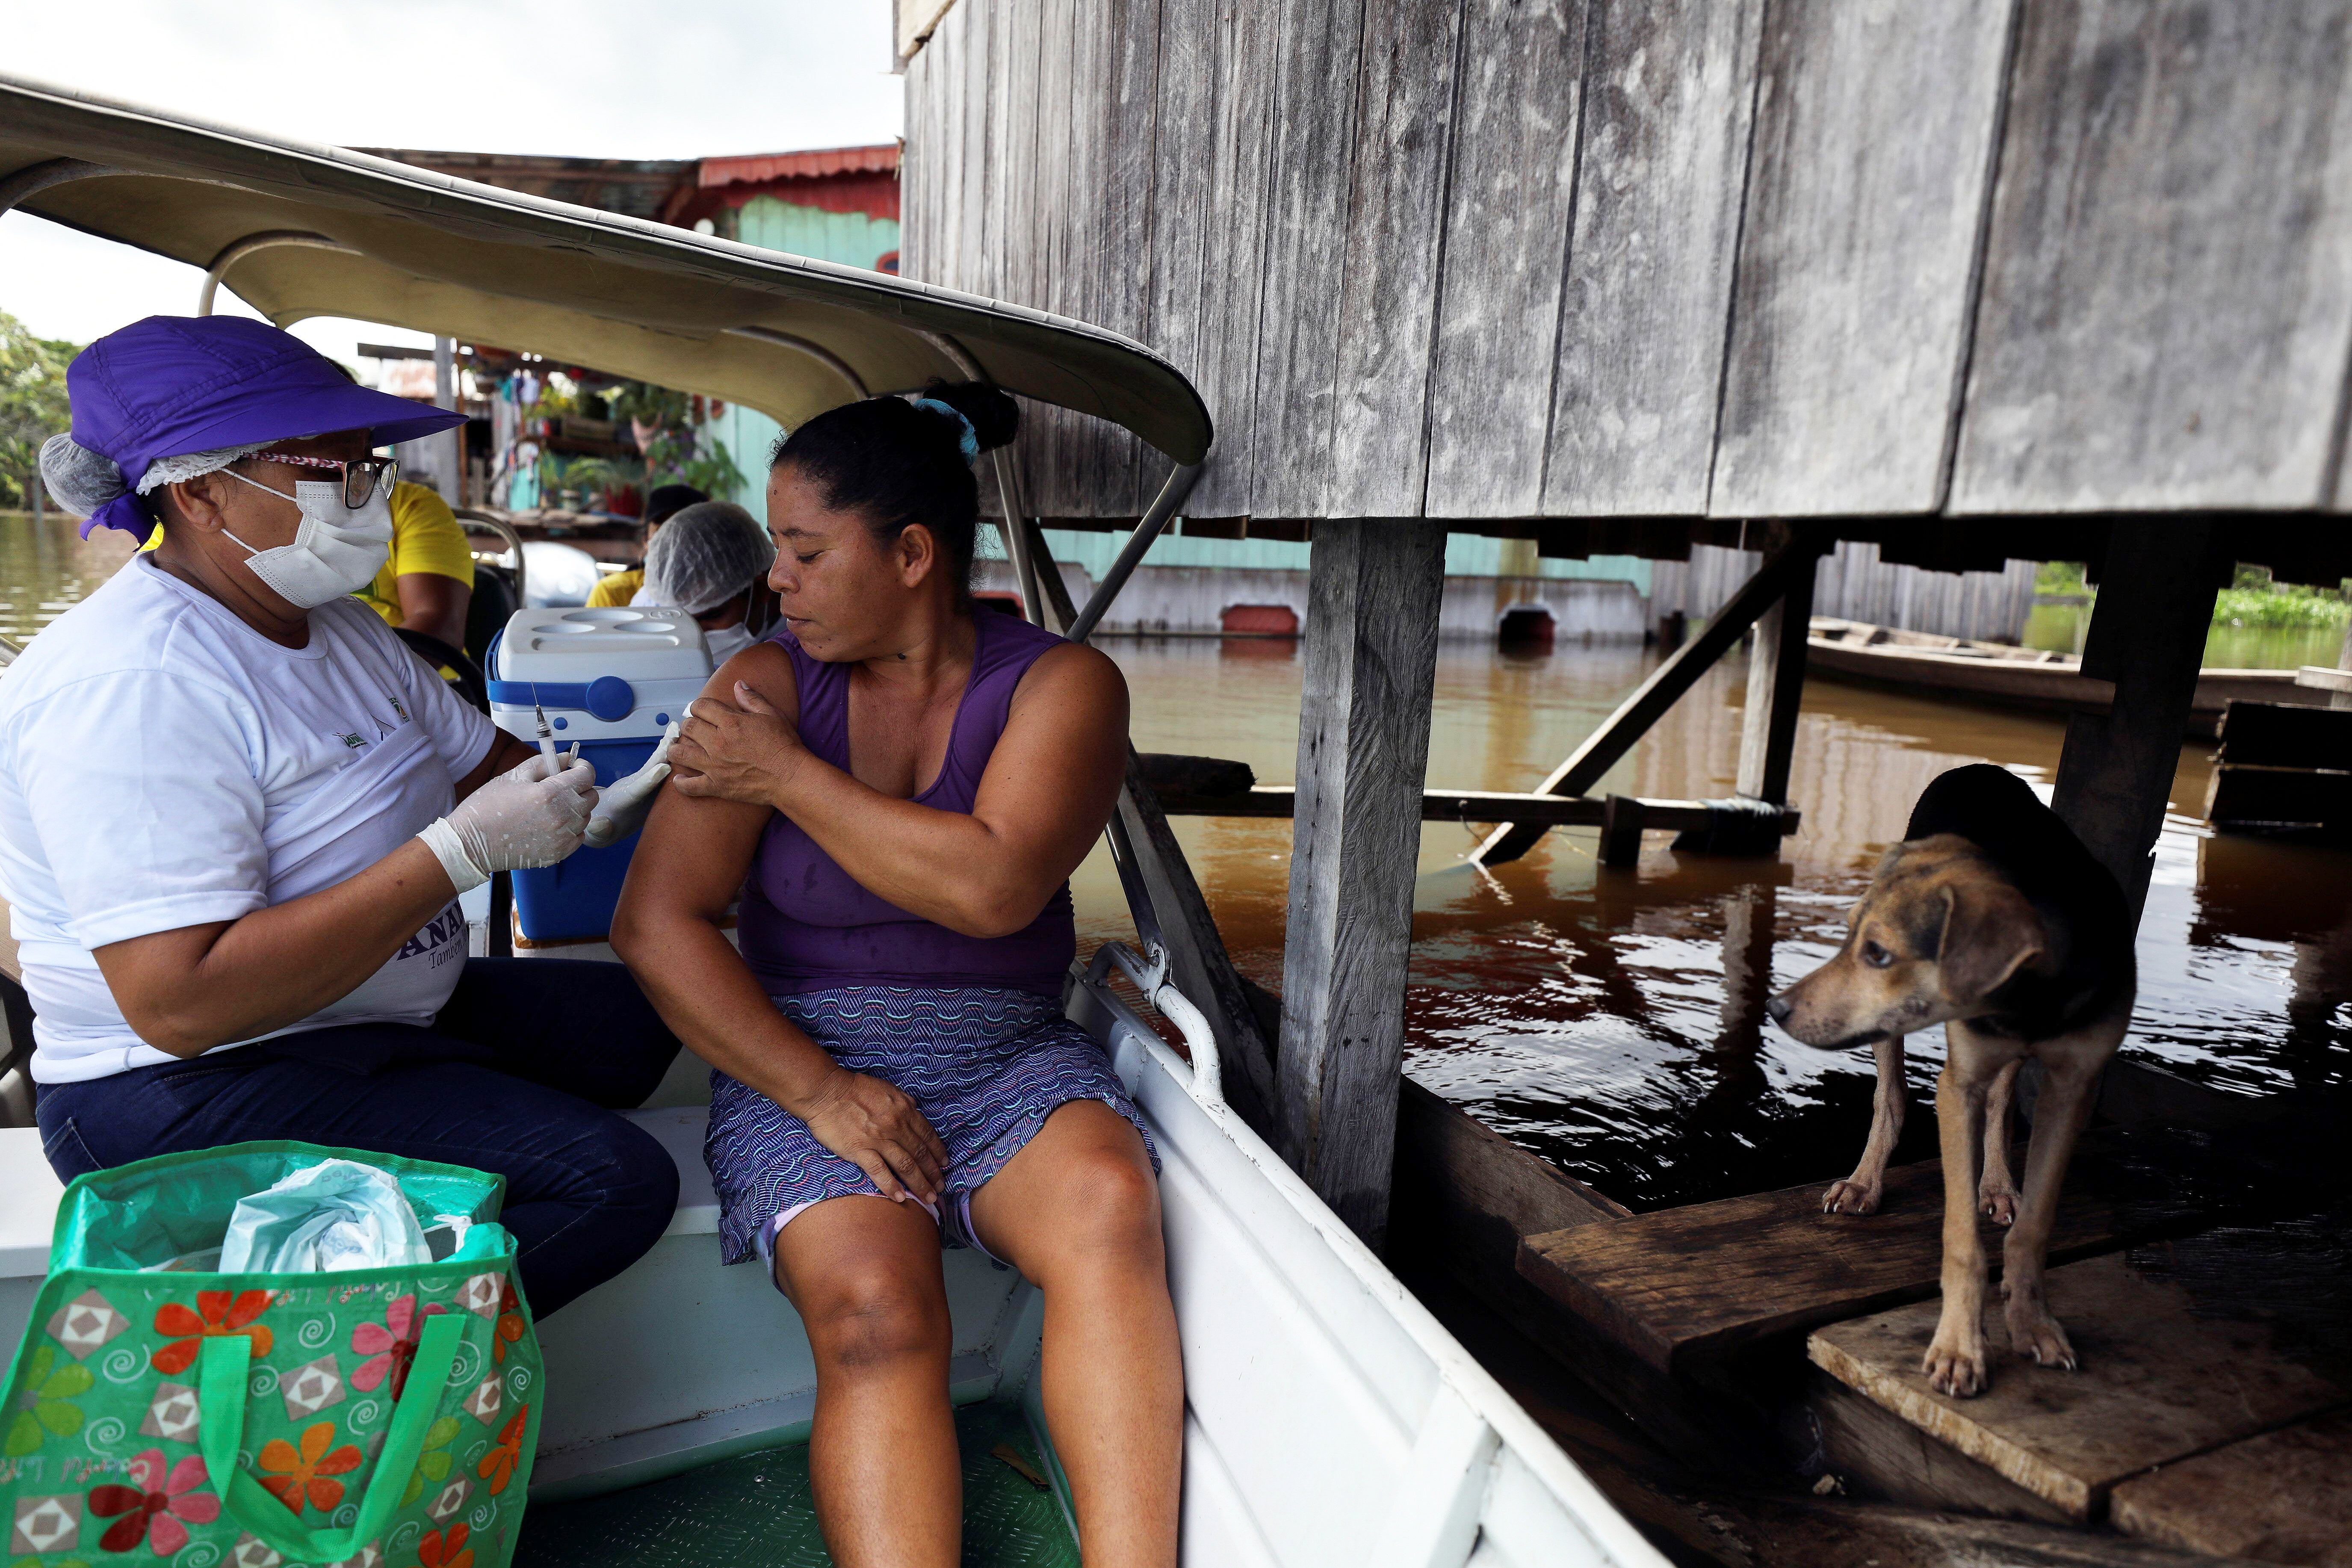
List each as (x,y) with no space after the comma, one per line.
(1992,918)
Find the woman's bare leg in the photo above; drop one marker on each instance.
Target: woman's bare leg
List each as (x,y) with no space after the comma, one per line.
(865,1274)
(1077,1212)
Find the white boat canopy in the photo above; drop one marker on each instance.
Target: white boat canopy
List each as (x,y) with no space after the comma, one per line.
(300,231)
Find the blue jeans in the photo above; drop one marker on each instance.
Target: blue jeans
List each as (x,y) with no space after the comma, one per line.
(512,1078)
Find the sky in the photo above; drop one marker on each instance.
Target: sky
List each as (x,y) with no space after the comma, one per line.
(588,79)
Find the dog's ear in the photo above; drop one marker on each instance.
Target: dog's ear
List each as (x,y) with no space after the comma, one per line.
(1990,934)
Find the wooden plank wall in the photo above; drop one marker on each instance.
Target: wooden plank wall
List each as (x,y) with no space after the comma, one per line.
(1501,259)
(1852,583)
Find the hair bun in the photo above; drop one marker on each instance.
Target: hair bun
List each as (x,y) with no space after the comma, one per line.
(995,417)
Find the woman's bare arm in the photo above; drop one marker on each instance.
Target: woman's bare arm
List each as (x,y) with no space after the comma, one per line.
(1049,788)
(668,929)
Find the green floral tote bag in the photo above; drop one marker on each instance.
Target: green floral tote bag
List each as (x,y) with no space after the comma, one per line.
(366,1418)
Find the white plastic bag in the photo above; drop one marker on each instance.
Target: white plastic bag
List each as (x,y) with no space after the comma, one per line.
(335,1215)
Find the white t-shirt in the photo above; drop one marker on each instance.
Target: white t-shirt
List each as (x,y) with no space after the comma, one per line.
(162,765)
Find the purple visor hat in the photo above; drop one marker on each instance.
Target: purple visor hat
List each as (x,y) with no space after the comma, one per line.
(171,385)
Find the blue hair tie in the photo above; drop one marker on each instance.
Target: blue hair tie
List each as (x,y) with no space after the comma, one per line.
(968,440)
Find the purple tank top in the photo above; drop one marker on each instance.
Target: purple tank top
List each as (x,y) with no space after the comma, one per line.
(807,925)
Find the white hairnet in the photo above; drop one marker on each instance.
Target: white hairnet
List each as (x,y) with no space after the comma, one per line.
(83,480)
(705,555)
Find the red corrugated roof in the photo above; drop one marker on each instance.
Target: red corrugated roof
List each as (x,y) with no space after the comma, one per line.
(758,168)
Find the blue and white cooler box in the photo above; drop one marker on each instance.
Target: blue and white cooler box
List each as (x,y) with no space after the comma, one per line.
(610,679)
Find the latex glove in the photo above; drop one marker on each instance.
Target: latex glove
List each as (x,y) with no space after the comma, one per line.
(621,809)
(531,816)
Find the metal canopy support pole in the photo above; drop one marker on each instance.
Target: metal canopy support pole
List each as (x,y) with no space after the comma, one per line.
(1624,728)
(1776,684)
(237,251)
(1171,495)
(446,476)
(1019,545)
(1372,598)
(2148,636)
(1197,960)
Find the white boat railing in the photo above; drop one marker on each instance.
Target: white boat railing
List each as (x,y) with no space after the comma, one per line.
(1329,1418)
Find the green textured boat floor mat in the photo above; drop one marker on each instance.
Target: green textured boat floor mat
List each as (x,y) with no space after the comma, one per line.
(757,1510)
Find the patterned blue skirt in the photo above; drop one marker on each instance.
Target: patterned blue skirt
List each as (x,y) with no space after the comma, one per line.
(985,1065)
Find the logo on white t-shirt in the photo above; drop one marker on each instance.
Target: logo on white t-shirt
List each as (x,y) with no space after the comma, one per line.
(444,938)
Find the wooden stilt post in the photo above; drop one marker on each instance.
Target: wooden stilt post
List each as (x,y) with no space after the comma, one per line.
(1776,683)
(1372,598)
(2148,636)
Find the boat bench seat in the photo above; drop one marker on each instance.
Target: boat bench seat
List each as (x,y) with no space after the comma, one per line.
(29,1190)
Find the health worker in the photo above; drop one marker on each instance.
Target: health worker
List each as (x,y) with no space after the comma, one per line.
(237,815)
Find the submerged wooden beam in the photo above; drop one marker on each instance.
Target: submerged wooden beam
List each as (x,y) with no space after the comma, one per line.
(1474,805)
(1372,597)
(1624,728)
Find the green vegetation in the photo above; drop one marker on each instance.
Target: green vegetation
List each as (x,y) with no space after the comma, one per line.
(2252,601)
(32,405)
(2060,577)
(2255,600)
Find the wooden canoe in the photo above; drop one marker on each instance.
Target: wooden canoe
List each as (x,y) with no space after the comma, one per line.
(1995,675)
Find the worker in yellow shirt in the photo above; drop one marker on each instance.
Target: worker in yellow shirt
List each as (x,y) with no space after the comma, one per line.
(427,581)
(665,502)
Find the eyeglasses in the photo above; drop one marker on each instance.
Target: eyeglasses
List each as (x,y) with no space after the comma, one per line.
(362,479)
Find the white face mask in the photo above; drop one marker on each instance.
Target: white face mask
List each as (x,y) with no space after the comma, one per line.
(336,551)
(727,642)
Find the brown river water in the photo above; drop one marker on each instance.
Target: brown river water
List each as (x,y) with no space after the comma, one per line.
(1612,1020)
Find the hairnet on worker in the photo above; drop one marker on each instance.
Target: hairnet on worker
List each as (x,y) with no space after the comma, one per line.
(705,555)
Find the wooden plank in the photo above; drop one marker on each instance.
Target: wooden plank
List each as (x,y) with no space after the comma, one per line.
(1874,139)
(2286,734)
(1050,434)
(1623,730)
(1314,136)
(1776,685)
(1505,246)
(2148,636)
(1363,745)
(1124,246)
(1239,174)
(1482,1179)
(1396,217)
(1464,1198)
(1876,1453)
(2158,1381)
(1467,806)
(1668,89)
(918,163)
(1689,1285)
(2159,159)
(2279,799)
(970,34)
(1808,1532)
(2284,1497)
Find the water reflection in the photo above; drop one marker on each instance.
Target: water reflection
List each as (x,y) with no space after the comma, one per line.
(45,569)
(1613,1020)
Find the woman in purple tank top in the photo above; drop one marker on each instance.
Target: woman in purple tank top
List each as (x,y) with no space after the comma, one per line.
(898,789)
